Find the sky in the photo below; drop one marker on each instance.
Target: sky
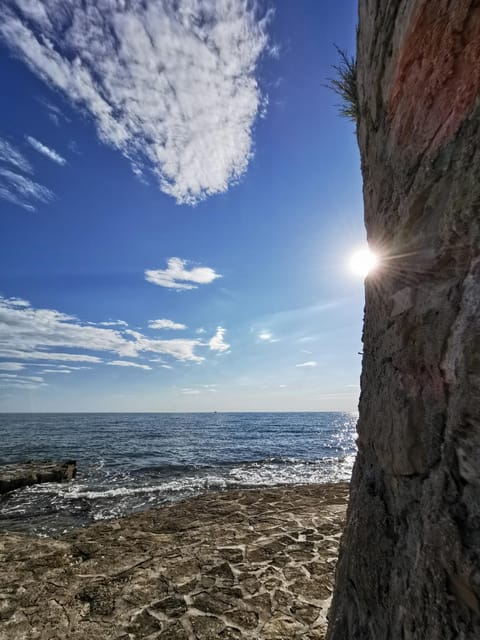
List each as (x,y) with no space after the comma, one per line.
(179,200)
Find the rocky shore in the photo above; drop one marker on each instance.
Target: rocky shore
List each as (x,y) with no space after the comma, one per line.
(16,476)
(234,565)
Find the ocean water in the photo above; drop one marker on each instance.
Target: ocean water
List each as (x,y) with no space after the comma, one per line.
(131,462)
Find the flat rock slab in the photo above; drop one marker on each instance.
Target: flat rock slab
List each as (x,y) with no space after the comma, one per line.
(15,476)
(234,565)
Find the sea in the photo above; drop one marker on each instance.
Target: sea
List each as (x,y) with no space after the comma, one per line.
(131,462)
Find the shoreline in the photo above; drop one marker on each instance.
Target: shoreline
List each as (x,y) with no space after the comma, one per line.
(233,564)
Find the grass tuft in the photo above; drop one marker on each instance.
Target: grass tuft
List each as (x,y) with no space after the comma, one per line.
(344,84)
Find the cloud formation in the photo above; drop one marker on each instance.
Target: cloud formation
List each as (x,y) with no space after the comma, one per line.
(178,276)
(127,363)
(46,151)
(172,86)
(163,323)
(11,366)
(265,335)
(30,334)
(310,363)
(16,183)
(217,343)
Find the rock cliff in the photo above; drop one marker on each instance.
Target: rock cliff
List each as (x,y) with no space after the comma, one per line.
(409,566)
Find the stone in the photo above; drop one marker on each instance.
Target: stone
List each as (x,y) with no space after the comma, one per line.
(100,598)
(174,631)
(281,628)
(206,627)
(412,542)
(143,624)
(173,606)
(129,579)
(16,476)
(243,618)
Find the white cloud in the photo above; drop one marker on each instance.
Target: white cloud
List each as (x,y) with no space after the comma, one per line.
(170,85)
(310,363)
(178,276)
(12,156)
(217,343)
(46,151)
(22,190)
(55,371)
(178,348)
(5,352)
(127,363)
(192,392)
(166,366)
(200,330)
(21,382)
(11,366)
(15,187)
(38,334)
(163,323)
(265,335)
(114,323)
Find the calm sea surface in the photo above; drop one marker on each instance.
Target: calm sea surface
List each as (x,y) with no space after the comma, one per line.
(130,462)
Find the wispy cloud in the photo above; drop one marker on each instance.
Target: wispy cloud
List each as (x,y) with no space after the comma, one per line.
(113,323)
(19,188)
(12,156)
(217,343)
(46,151)
(170,85)
(55,114)
(193,392)
(309,363)
(127,363)
(11,366)
(178,276)
(21,382)
(29,334)
(163,323)
(22,190)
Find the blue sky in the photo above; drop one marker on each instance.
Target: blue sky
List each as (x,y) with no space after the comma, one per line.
(178,204)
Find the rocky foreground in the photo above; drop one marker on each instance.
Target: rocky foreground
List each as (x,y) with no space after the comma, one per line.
(240,564)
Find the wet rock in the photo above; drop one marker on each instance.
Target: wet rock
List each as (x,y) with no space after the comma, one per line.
(16,476)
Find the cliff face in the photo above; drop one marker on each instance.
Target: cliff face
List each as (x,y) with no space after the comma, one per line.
(410,560)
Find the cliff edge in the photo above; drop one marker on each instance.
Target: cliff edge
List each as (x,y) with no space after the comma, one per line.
(409,564)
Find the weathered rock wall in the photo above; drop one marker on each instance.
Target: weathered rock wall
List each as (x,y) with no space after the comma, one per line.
(410,559)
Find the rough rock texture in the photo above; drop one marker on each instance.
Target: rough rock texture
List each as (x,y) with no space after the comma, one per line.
(15,476)
(409,566)
(255,564)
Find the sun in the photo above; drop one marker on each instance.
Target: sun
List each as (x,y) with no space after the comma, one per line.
(363,262)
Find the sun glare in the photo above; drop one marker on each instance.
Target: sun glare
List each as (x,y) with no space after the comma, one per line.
(363,262)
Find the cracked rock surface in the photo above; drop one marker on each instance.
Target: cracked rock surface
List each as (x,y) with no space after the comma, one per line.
(240,564)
